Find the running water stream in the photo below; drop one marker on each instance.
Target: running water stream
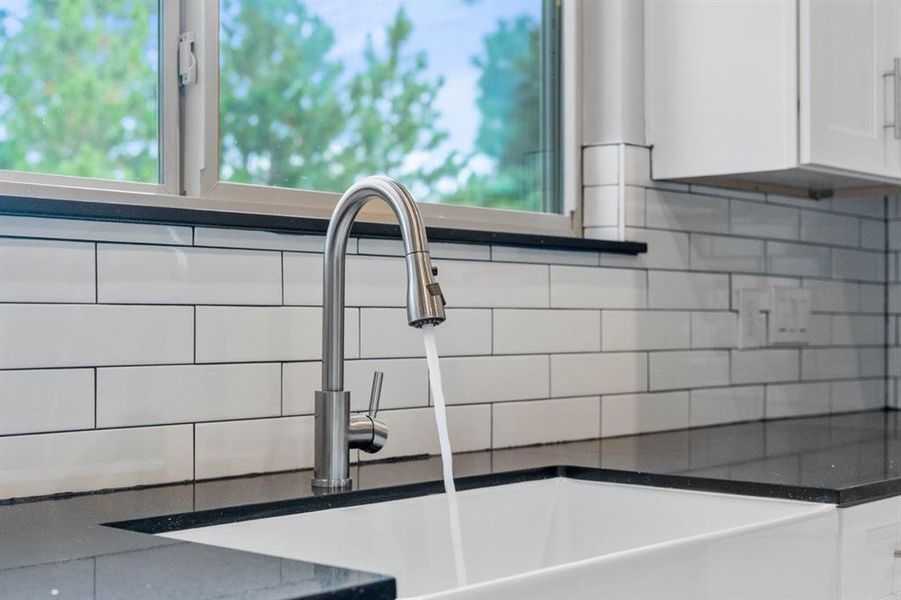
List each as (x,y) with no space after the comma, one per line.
(431,353)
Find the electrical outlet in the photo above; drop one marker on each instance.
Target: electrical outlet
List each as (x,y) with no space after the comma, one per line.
(751,319)
(789,316)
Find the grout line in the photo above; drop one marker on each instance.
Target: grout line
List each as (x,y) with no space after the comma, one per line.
(96,274)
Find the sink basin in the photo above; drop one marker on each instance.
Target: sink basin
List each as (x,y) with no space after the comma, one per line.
(561,537)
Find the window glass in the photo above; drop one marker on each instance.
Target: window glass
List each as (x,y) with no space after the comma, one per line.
(79,88)
(458,99)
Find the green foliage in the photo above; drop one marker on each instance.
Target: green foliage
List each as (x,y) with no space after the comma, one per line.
(509,102)
(280,112)
(77,95)
(390,115)
(287,118)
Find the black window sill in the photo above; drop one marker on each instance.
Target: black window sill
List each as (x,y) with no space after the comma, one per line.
(102,211)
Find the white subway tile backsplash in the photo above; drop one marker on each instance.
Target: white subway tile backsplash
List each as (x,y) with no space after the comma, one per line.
(637,167)
(476,379)
(766,365)
(796,400)
(545,421)
(528,331)
(686,212)
(894,235)
(688,369)
(54,463)
(384,332)
(544,256)
(600,165)
(593,332)
(302,279)
(687,290)
(494,284)
(258,334)
(666,250)
(376,281)
(842,363)
(644,330)
(128,273)
(413,431)
(784,258)
(858,394)
(858,330)
(760,284)
(720,253)
(894,298)
(95,231)
(128,396)
(634,201)
(829,229)
(261,240)
(46,271)
(405,384)
(714,406)
(872,234)
(592,374)
(600,206)
(583,287)
(436,249)
(74,335)
(602,233)
(46,400)
(714,329)
(833,296)
(867,206)
(858,264)
(871,298)
(755,219)
(819,330)
(300,380)
(253,446)
(643,413)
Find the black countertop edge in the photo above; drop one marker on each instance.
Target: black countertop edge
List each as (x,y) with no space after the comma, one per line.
(162,215)
(869,492)
(383,589)
(219,516)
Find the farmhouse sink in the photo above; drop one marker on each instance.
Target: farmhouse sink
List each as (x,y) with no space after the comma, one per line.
(562,537)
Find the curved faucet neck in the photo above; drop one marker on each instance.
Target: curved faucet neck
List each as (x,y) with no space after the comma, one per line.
(424,304)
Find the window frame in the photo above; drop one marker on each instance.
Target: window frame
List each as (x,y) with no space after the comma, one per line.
(189,148)
(168,129)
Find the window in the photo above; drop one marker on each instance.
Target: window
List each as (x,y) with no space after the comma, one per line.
(456,98)
(293,101)
(80,88)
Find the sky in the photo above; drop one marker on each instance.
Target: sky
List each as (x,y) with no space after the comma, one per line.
(449,31)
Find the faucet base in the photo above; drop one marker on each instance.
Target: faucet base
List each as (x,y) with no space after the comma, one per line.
(327,486)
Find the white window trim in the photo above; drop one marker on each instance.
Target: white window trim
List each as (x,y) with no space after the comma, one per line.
(169,135)
(190,169)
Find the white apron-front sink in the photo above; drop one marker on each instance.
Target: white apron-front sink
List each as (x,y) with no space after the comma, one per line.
(565,538)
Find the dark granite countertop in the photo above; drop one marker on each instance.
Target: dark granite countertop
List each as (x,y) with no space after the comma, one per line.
(61,545)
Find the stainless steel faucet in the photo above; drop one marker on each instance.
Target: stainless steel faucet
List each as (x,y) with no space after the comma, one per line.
(335,430)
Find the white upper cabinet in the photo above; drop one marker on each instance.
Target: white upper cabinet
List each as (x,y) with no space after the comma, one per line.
(781,95)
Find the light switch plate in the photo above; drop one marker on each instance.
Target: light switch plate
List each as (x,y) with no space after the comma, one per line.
(789,316)
(751,319)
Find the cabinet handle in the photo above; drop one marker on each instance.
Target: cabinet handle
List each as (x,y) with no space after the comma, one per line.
(895,74)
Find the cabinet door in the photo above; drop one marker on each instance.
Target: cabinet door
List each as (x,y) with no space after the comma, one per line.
(870,534)
(845,47)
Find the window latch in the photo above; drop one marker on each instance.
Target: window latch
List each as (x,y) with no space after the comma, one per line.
(187,62)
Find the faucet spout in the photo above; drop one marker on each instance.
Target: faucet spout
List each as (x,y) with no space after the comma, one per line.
(425,305)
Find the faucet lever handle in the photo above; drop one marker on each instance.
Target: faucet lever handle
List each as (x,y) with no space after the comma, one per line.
(376,393)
